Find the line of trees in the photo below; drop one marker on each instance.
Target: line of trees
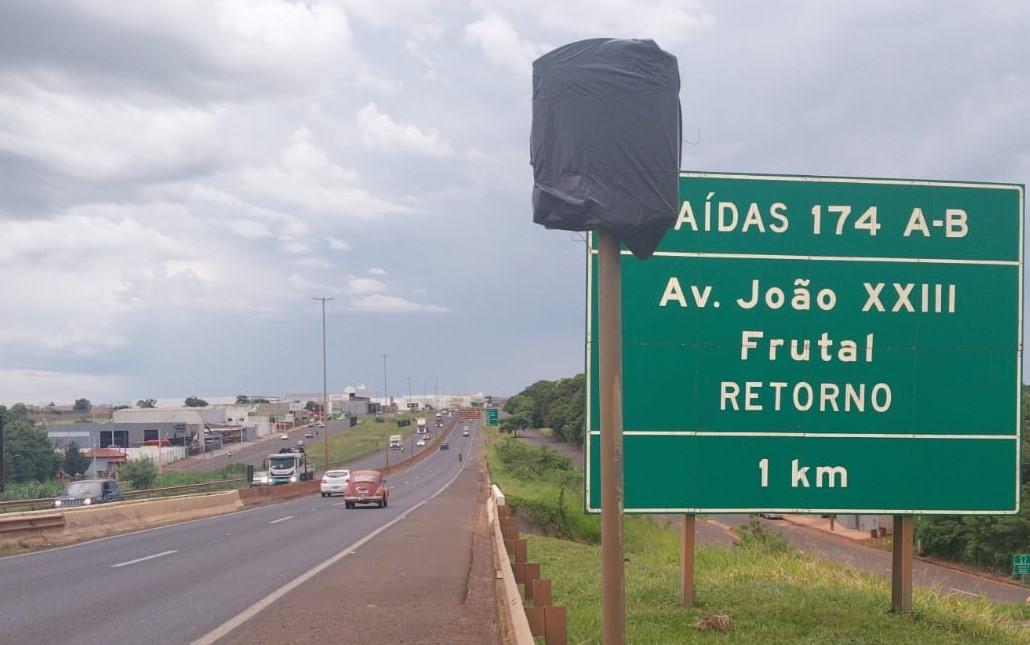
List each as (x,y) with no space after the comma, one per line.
(557,405)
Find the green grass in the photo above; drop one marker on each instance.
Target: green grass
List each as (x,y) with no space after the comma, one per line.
(176,478)
(770,592)
(361,440)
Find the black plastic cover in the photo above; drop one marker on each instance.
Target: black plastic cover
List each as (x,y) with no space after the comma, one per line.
(605,143)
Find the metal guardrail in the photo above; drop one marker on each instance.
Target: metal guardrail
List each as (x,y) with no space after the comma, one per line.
(48,502)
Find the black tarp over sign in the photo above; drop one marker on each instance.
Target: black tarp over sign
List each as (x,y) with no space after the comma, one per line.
(605,143)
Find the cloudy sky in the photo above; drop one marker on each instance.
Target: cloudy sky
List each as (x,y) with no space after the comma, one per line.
(178,178)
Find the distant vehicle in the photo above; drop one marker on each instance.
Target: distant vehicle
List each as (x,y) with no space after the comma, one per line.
(421,426)
(421,442)
(396,443)
(445,446)
(465,434)
(288,466)
(366,487)
(284,437)
(88,492)
(771,516)
(334,482)
(320,425)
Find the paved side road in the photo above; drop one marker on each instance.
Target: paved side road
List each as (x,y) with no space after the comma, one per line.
(428,580)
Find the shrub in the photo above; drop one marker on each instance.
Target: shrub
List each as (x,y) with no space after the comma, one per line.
(140,473)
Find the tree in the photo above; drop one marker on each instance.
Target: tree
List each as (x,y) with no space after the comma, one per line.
(140,473)
(28,455)
(82,405)
(242,399)
(75,463)
(146,403)
(195,402)
(313,406)
(260,399)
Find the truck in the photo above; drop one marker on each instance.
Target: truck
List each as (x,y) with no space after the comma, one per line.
(395,442)
(288,466)
(422,427)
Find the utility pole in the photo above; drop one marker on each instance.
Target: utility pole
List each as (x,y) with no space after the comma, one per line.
(325,390)
(3,475)
(409,389)
(386,392)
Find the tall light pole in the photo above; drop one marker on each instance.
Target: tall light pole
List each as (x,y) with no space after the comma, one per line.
(409,390)
(325,390)
(386,391)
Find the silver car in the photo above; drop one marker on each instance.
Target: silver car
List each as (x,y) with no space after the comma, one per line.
(334,482)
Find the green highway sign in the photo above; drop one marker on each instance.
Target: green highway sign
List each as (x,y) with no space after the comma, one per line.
(1021,564)
(823,345)
(491,416)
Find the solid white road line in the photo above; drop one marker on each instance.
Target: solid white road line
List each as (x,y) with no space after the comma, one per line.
(281,519)
(223,630)
(149,557)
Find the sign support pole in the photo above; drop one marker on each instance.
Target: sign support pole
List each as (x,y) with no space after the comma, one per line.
(613,599)
(901,565)
(687,560)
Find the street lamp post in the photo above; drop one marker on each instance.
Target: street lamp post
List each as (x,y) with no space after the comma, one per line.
(386,391)
(325,391)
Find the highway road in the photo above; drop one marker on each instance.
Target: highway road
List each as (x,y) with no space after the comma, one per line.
(175,584)
(255,452)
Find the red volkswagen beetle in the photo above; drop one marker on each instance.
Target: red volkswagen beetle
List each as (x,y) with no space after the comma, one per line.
(366,487)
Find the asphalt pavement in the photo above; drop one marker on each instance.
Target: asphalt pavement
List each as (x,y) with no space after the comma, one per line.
(177,583)
(253,453)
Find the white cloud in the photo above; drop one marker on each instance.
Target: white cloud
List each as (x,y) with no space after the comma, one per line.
(383,303)
(306,177)
(502,45)
(116,137)
(248,228)
(294,247)
(314,263)
(338,245)
(377,271)
(381,133)
(360,286)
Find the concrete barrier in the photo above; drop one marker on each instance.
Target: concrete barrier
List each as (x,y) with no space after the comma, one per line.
(89,523)
(267,494)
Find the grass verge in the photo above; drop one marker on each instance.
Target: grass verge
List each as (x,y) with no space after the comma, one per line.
(362,440)
(770,592)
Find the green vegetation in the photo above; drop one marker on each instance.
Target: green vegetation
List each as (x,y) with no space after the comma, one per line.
(74,462)
(364,439)
(549,404)
(174,478)
(32,490)
(769,592)
(543,486)
(140,474)
(28,455)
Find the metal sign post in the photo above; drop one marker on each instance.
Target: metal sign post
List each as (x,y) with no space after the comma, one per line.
(901,565)
(687,560)
(613,593)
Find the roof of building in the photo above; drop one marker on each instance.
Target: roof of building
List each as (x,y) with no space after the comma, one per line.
(110,454)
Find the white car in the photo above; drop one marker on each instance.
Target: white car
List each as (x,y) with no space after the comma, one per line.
(420,442)
(284,437)
(334,482)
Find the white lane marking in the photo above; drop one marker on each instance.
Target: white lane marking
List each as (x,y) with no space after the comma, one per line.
(281,519)
(340,504)
(223,630)
(149,557)
(968,593)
